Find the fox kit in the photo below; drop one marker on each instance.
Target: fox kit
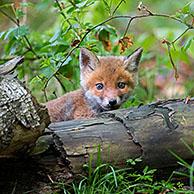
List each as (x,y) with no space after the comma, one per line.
(106,82)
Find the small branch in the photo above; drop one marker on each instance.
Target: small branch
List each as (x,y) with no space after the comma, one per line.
(30,47)
(61,12)
(150,14)
(171,17)
(127,28)
(176,75)
(60,83)
(116,8)
(5,14)
(169,44)
(45,95)
(14,188)
(184,32)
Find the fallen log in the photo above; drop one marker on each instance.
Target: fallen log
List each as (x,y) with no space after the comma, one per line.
(149,132)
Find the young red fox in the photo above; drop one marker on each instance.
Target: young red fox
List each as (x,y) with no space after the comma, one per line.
(106,82)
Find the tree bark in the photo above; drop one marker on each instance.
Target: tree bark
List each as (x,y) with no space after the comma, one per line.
(22,119)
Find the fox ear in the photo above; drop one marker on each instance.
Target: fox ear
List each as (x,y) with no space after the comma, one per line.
(132,61)
(88,60)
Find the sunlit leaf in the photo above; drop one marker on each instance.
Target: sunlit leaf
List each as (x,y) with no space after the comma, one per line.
(186,9)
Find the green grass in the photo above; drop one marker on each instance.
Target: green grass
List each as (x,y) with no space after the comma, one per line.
(106,179)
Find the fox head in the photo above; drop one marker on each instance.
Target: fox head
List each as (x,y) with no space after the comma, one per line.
(108,81)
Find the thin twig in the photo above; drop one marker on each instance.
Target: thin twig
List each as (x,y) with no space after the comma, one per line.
(184,32)
(5,14)
(119,4)
(155,15)
(45,95)
(60,82)
(127,28)
(62,13)
(30,47)
(176,75)
(169,44)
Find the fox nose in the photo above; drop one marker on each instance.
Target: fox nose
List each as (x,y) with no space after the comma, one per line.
(112,102)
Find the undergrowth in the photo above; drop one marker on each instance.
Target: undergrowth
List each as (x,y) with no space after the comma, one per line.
(106,179)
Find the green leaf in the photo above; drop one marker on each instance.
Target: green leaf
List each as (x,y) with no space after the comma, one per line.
(187,44)
(21,72)
(188,9)
(55,36)
(185,9)
(6,5)
(41,145)
(26,4)
(107,6)
(47,71)
(2,35)
(9,33)
(70,10)
(67,71)
(112,30)
(191,8)
(67,61)
(21,31)
(19,13)
(11,46)
(84,4)
(37,82)
(47,68)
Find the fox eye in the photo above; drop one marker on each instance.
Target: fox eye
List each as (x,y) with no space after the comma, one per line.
(99,86)
(121,85)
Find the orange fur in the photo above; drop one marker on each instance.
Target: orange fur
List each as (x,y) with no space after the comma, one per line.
(70,106)
(89,100)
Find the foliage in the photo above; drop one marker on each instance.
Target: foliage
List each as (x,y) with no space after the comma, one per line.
(49,33)
(105,179)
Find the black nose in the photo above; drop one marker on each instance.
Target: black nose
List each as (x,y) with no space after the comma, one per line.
(112,102)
